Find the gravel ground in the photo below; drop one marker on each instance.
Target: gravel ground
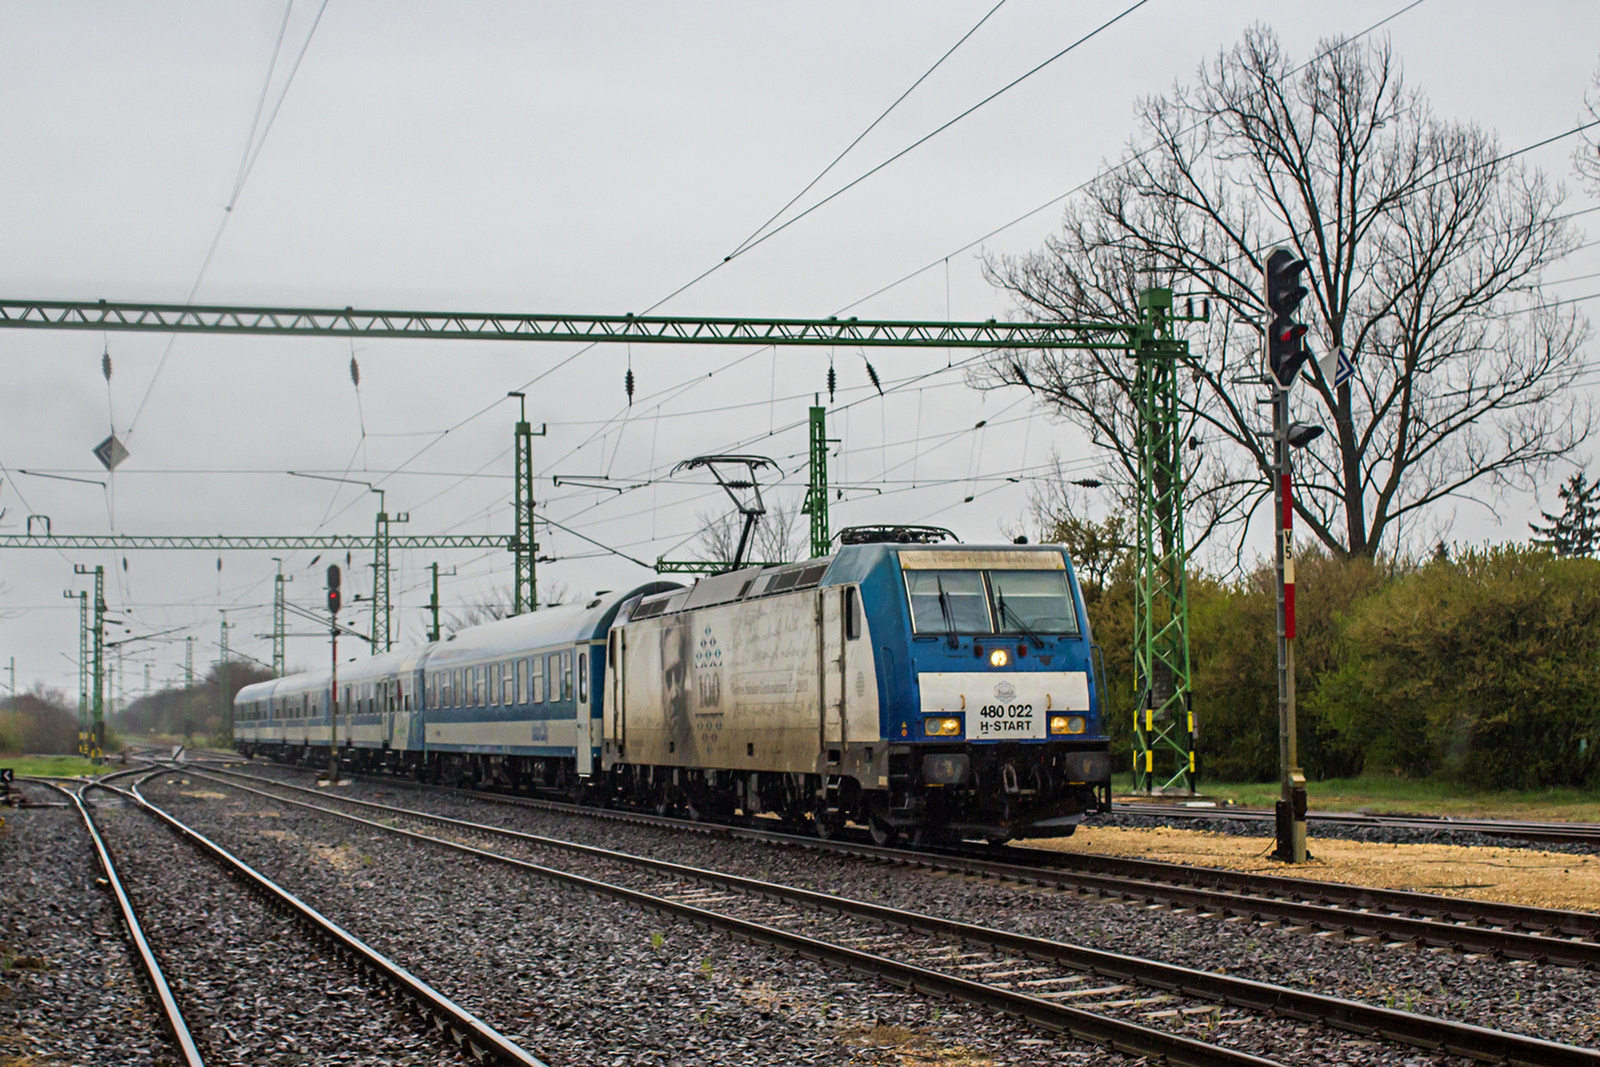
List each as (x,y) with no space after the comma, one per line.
(579,980)
(1376,835)
(1556,1003)
(253,988)
(70,989)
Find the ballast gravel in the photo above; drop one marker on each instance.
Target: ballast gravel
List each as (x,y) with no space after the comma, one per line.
(70,990)
(577,979)
(1555,1003)
(254,989)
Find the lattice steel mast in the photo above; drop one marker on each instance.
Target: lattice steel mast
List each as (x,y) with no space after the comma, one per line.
(1163,717)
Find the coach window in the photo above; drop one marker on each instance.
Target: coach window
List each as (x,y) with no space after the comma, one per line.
(536,678)
(583,675)
(480,678)
(494,683)
(522,681)
(455,688)
(508,682)
(566,676)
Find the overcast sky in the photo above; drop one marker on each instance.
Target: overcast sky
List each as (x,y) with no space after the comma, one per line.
(580,158)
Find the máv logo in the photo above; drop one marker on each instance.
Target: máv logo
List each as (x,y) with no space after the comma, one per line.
(1005,691)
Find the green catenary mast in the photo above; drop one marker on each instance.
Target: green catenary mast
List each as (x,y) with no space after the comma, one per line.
(816,504)
(1163,726)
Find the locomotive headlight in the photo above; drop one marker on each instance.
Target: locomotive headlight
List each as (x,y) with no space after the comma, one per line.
(999,658)
(942,726)
(1068,724)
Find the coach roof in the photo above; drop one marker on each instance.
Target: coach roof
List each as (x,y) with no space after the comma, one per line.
(567,624)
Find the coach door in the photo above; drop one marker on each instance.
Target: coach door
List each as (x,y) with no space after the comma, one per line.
(391,692)
(614,708)
(831,612)
(584,724)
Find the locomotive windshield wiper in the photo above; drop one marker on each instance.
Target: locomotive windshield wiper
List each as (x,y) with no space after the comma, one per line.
(1005,609)
(949,616)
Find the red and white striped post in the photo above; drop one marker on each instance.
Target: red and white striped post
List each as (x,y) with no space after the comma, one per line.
(1291,807)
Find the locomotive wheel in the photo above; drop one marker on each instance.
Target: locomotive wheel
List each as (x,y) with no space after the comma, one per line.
(883,835)
(827,824)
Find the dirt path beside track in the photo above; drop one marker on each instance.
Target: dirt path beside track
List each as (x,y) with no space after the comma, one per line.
(1513,875)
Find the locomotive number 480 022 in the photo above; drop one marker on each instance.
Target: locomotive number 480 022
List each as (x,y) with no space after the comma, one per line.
(1008,720)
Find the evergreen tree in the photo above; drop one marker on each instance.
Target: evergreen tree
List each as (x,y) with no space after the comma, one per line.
(1576,531)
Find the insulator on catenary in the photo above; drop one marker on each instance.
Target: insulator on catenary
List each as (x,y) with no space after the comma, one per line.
(873,374)
(1022,375)
(355,373)
(627,384)
(833,381)
(105,364)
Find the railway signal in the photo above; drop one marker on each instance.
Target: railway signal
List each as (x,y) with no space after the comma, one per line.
(1286,354)
(333,686)
(1286,349)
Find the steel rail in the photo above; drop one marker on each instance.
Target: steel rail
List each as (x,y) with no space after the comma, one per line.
(170,1011)
(1429,1032)
(474,1035)
(1515,828)
(1344,907)
(1255,896)
(1552,922)
(1106,1032)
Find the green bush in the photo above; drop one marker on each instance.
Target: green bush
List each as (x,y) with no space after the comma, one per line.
(1484,669)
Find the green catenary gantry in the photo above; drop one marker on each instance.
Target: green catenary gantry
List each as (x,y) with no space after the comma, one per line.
(1164,721)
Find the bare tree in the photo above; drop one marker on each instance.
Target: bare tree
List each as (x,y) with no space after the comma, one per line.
(1586,158)
(1427,251)
(778,537)
(1060,514)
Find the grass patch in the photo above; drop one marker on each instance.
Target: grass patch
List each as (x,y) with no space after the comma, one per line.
(1389,795)
(56,766)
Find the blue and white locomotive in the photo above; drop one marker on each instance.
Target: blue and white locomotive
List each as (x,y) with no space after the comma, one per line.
(932,690)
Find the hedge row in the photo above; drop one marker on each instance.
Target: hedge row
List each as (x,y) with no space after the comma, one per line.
(1484,669)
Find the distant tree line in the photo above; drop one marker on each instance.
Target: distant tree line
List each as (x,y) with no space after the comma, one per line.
(196,712)
(38,722)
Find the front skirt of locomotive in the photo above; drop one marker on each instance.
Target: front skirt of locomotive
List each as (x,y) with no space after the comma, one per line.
(1000,790)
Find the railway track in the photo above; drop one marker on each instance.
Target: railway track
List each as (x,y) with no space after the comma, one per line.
(454,1025)
(1541,935)
(1525,830)
(172,1015)
(1085,992)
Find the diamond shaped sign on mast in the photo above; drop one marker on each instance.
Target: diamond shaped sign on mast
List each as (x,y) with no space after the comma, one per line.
(110,452)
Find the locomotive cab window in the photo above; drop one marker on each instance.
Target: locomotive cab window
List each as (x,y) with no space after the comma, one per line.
(852,612)
(1032,600)
(992,601)
(948,602)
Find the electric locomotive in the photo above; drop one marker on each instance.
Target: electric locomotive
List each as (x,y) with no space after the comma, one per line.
(926,689)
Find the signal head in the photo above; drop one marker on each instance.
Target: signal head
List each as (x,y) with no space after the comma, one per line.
(333,589)
(1284,291)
